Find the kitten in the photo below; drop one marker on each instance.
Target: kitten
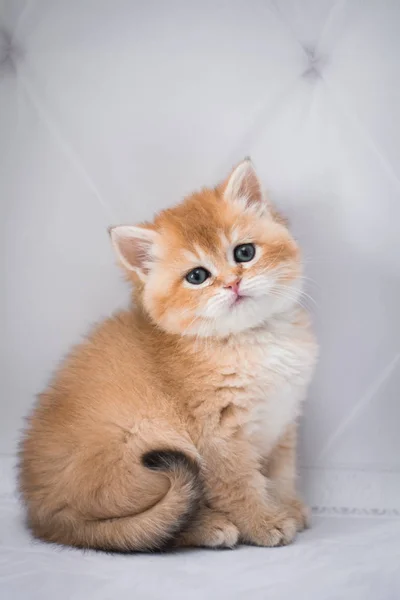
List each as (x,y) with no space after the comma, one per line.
(174,422)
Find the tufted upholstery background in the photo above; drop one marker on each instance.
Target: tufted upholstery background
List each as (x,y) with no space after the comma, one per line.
(110,110)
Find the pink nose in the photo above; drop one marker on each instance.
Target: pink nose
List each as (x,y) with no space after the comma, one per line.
(234,286)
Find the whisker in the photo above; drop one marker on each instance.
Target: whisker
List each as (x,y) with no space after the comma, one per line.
(287,296)
(306,295)
(309,280)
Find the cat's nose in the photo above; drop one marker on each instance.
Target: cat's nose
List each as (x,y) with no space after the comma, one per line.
(234,286)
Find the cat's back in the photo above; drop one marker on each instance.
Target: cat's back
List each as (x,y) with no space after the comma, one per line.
(81,465)
(100,386)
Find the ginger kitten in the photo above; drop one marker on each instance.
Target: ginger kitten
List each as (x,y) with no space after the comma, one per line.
(174,422)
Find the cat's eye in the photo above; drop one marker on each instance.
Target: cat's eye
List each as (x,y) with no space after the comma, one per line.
(197,276)
(244,253)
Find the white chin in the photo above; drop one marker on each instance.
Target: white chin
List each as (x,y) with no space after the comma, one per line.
(247,314)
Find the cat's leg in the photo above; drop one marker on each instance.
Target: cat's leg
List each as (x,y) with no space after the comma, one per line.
(237,488)
(210,529)
(280,467)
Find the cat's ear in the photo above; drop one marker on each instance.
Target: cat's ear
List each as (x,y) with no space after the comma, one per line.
(244,187)
(134,247)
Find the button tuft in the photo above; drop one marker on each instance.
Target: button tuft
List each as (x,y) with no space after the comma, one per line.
(315,64)
(10,52)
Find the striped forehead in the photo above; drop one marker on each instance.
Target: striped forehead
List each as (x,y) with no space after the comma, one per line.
(226,239)
(212,259)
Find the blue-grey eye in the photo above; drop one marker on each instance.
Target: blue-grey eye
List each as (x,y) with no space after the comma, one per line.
(244,253)
(197,276)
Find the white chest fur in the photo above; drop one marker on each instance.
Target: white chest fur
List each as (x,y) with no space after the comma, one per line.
(266,373)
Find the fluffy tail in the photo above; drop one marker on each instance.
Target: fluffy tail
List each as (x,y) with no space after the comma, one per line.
(160,525)
(153,529)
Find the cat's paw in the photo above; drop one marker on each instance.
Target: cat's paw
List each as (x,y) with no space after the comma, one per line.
(224,535)
(278,530)
(212,530)
(300,512)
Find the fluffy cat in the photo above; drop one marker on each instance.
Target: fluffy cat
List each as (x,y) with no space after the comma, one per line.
(174,422)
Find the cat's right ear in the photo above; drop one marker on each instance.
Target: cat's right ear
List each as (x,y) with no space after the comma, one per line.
(134,247)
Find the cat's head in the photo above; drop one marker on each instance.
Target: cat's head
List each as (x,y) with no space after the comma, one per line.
(217,263)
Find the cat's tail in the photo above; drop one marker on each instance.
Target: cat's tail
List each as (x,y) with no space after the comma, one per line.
(159,526)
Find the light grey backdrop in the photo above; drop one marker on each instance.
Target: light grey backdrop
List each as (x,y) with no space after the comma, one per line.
(112,110)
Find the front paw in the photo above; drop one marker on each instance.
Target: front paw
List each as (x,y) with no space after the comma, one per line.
(299,512)
(273,530)
(211,530)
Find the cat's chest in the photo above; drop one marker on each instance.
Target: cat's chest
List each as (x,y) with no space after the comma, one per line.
(265,376)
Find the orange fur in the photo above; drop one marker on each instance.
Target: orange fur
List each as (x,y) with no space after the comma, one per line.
(174,421)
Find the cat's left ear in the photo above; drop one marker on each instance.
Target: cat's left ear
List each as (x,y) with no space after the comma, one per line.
(244,187)
(134,247)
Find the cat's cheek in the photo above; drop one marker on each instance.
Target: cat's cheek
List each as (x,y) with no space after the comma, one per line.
(173,322)
(171,307)
(154,299)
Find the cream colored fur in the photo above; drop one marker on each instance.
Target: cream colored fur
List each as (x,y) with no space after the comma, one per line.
(175,422)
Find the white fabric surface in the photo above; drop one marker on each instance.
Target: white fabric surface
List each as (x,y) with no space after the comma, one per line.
(350,559)
(112,109)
